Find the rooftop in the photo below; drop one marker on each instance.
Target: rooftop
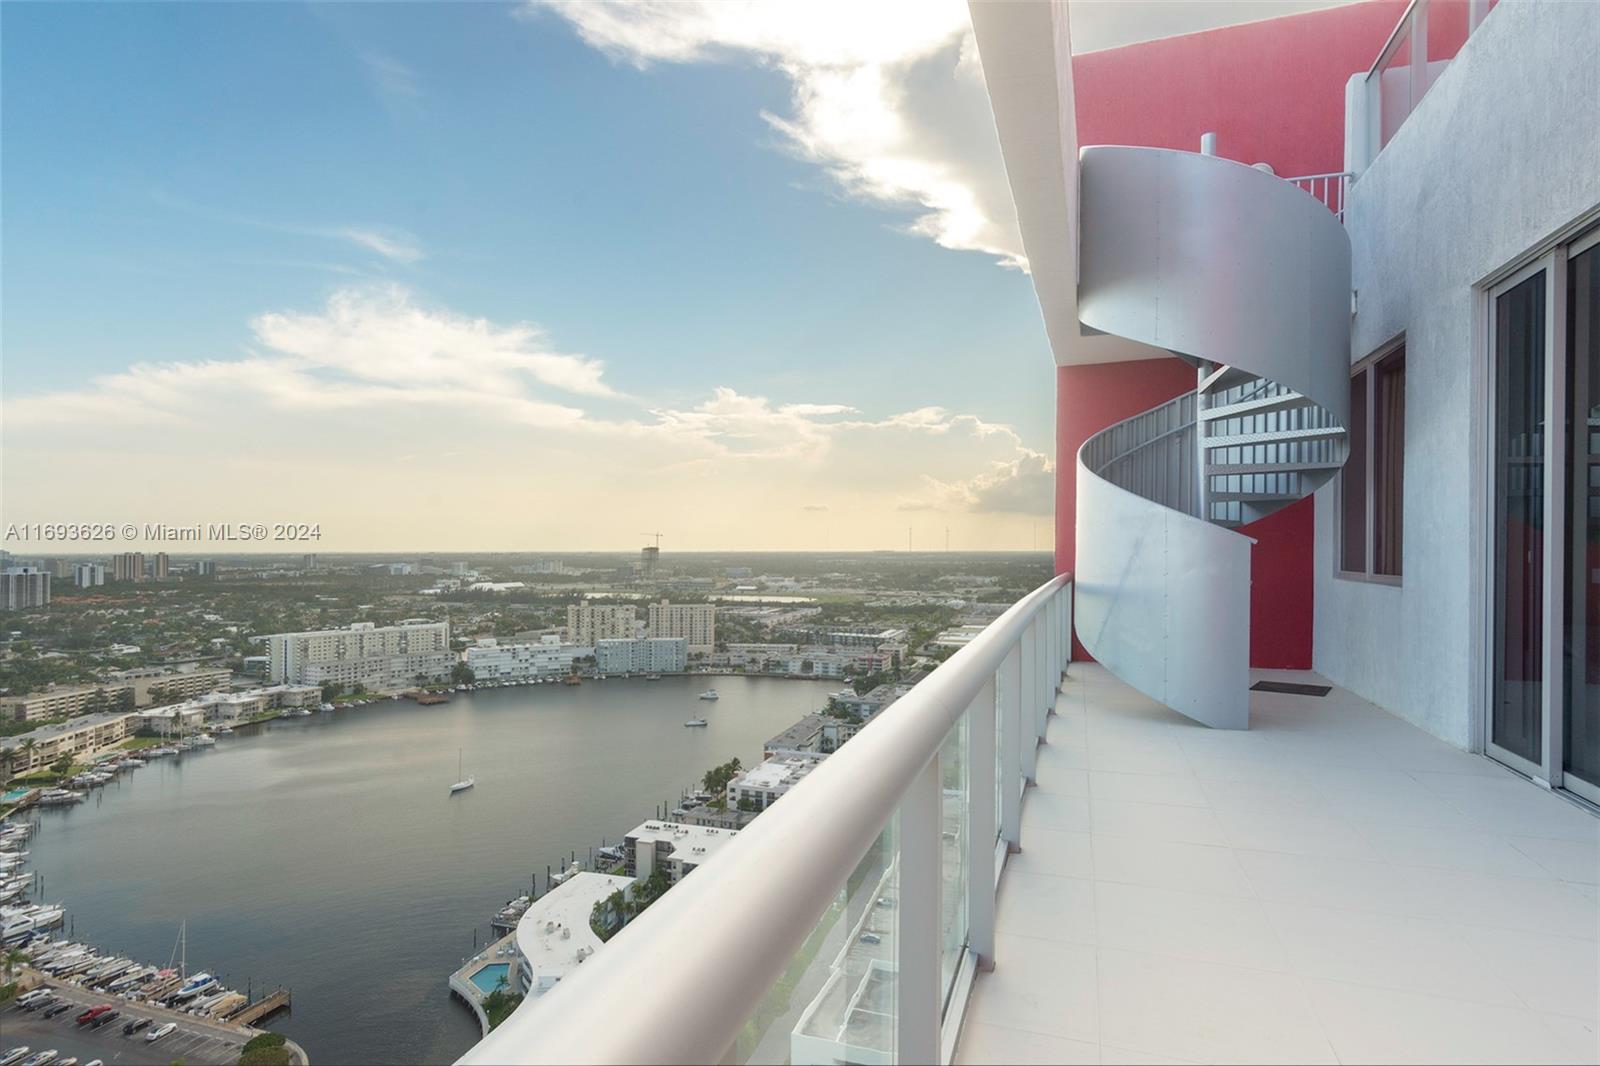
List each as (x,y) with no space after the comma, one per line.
(779,771)
(694,842)
(1333,885)
(556,928)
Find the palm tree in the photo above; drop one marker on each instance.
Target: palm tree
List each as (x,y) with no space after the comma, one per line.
(13,959)
(28,747)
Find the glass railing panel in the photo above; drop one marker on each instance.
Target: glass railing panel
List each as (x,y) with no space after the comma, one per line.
(1395,92)
(836,1001)
(955,839)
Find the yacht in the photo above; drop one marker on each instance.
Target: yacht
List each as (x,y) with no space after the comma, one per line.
(205,740)
(462,783)
(694,723)
(710,694)
(197,984)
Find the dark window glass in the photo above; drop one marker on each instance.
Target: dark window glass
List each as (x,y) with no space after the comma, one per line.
(1388,461)
(1353,483)
(1519,473)
(1582,745)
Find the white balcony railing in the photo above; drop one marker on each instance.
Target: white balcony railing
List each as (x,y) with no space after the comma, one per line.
(848,920)
(1422,44)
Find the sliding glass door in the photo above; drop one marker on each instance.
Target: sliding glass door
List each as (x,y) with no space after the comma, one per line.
(1543,714)
(1581,648)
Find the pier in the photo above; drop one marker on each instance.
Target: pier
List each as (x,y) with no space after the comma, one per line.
(261,1008)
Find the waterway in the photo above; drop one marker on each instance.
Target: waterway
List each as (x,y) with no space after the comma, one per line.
(325,853)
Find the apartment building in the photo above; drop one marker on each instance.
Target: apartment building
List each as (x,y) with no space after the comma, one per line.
(84,735)
(88,575)
(491,660)
(764,784)
(590,623)
(127,566)
(694,622)
(143,687)
(677,847)
(160,566)
(645,655)
(24,587)
(381,658)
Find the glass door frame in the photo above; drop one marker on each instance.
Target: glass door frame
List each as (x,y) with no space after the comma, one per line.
(1578,520)
(1557,515)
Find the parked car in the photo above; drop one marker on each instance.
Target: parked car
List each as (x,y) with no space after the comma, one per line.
(92,1013)
(14,1055)
(156,1034)
(134,1025)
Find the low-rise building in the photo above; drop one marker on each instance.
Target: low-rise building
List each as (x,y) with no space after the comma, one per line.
(554,936)
(547,657)
(82,736)
(761,786)
(649,655)
(159,684)
(378,658)
(675,846)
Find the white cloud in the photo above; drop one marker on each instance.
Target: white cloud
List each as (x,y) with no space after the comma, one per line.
(394,81)
(391,244)
(887,97)
(1022,485)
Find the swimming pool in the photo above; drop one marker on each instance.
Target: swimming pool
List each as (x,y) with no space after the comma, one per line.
(488,979)
(14,795)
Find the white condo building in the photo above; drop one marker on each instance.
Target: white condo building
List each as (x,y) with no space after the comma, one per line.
(24,586)
(381,658)
(491,660)
(88,575)
(645,655)
(694,622)
(590,623)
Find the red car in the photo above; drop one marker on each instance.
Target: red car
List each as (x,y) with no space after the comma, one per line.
(92,1013)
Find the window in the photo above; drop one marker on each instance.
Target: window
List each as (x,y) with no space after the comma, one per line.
(1372,484)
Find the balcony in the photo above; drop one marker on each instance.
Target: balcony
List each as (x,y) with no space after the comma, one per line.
(1332,885)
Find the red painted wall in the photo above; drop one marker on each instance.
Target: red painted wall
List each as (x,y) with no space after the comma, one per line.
(1273,92)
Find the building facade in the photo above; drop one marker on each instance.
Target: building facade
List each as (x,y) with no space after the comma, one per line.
(646,655)
(762,785)
(81,736)
(491,660)
(133,688)
(127,566)
(590,623)
(672,846)
(88,575)
(694,622)
(23,587)
(380,658)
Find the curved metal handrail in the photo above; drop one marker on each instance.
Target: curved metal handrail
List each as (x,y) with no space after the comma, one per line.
(728,932)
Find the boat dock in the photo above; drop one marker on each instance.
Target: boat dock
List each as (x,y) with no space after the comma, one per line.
(261,1008)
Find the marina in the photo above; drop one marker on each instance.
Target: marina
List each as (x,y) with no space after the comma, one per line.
(250,840)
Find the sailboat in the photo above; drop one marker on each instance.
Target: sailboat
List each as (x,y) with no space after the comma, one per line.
(463,783)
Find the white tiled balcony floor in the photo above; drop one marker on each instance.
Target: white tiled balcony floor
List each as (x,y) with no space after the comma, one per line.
(1333,885)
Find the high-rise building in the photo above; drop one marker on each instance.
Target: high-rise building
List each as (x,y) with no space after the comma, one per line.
(22,587)
(160,566)
(381,658)
(649,562)
(205,568)
(590,623)
(127,566)
(645,655)
(695,622)
(88,575)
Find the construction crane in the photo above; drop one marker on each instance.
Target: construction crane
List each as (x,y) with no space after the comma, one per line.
(655,535)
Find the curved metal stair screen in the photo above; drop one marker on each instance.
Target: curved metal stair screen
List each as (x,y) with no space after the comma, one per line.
(1247,277)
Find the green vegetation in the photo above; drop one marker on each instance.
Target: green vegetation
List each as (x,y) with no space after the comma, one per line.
(608,916)
(8,992)
(137,743)
(461,674)
(717,778)
(265,1049)
(499,1004)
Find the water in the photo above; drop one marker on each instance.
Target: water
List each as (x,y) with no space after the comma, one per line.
(326,854)
(492,976)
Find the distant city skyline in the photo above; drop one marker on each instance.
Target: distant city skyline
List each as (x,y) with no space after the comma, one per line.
(505,276)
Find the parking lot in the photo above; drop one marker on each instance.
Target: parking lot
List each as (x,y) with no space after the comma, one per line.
(192,1042)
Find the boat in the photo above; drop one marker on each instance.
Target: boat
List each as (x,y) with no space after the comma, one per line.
(462,783)
(197,984)
(695,723)
(652,677)
(225,731)
(205,740)
(710,694)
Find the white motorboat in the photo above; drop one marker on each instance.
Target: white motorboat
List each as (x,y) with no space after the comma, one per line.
(695,723)
(710,694)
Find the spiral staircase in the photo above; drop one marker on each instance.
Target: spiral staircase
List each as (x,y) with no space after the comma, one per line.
(1247,277)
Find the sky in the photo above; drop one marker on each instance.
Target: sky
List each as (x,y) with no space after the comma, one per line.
(523,276)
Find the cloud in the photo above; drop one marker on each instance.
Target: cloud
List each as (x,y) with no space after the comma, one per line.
(886,97)
(1022,485)
(369,347)
(394,81)
(394,245)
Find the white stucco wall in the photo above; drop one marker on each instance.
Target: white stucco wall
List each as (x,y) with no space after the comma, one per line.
(1502,152)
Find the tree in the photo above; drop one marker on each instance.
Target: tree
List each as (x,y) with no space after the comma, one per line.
(330,689)
(13,959)
(62,765)
(29,746)
(125,700)
(461,674)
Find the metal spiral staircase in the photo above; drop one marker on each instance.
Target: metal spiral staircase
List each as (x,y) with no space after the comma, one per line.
(1246,277)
